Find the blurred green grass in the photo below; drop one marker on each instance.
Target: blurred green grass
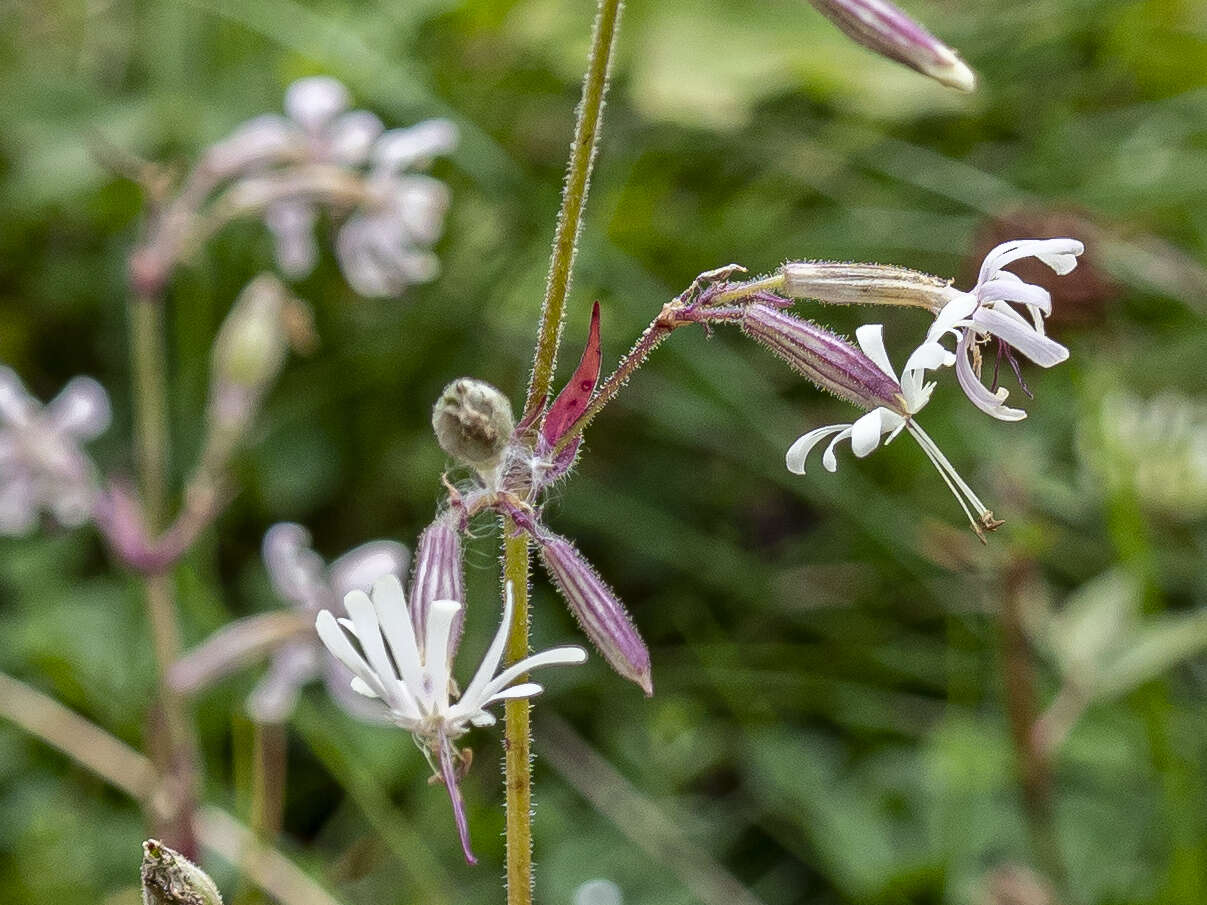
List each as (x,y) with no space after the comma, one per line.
(828,725)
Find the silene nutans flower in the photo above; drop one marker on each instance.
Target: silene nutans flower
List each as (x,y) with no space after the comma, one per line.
(410,675)
(865,377)
(43,466)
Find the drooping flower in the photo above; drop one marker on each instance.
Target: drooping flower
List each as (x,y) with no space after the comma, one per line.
(300,577)
(987,311)
(384,244)
(411,676)
(865,377)
(42,462)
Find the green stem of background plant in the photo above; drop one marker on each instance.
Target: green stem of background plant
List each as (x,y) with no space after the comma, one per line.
(1033,766)
(574,201)
(177,749)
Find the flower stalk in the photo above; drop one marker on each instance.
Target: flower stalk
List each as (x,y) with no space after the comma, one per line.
(574,200)
(178,751)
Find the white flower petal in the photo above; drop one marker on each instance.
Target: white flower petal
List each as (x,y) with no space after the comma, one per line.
(416,146)
(312,102)
(1022,336)
(368,633)
(1007,287)
(871,341)
(16,405)
(351,137)
(390,607)
(799,451)
(341,648)
(828,460)
(558,656)
(982,398)
(80,410)
(494,654)
(437,667)
(951,315)
(523,690)
(359,568)
(865,433)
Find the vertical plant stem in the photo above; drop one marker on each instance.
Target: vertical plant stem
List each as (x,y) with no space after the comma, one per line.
(517,739)
(1034,768)
(574,200)
(269,762)
(176,747)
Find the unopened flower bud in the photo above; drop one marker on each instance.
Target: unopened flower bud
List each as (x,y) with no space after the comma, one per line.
(439,575)
(473,422)
(597,609)
(169,878)
(825,358)
(864,284)
(882,27)
(250,350)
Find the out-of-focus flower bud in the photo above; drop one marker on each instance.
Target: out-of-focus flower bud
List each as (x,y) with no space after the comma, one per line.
(439,575)
(597,609)
(882,27)
(249,351)
(864,284)
(169,878)
(473,423)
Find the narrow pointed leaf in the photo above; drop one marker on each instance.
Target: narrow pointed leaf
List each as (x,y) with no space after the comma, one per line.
(573,398)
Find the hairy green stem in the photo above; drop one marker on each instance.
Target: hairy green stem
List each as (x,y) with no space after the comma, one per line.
(176,748)
(517,736)
(574,200)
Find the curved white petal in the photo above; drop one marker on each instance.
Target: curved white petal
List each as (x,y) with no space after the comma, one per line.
(312,102)
(16,405)
(401,149)
(523,690)
(950,316)
(828,460)
(494,654)
(557,656)
(360,567)
(799,451)
(368,633)
(341,648)
(1008,287)
(871,341)
(982,398)
(390,606)
(81,409)
(1020,335)
(435,649)
(865,433)
(351,137)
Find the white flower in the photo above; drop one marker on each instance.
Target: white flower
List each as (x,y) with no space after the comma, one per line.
(299,575)
(866,432)
(42,463)
(384,246)
(986,311)
(412,677)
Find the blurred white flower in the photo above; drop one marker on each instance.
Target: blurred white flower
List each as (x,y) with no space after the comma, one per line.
(974,317)
(1154,448)
(411,677)
(42,462)
(384,246)
(299,576)
(598,892)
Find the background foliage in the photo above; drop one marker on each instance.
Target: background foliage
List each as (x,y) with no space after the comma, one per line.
(828,724)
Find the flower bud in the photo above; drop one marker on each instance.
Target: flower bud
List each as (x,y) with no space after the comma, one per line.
(597,609)
(250,350)
(825,358)
(882,27)
(169,878)
(473,422)
(439,575)
(864,284)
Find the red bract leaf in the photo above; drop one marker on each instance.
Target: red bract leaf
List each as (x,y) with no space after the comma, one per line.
(574,397)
